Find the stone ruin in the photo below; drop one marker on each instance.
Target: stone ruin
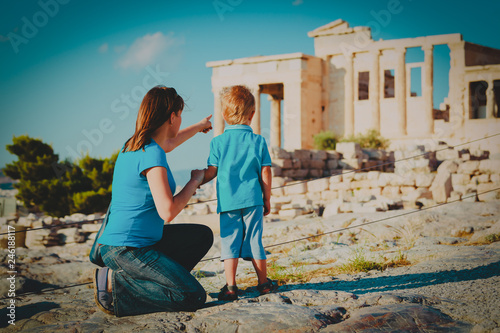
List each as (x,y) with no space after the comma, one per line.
(354,83)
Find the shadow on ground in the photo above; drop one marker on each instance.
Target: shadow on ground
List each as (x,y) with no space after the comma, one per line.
(27,311)
(401,282)
(384,283)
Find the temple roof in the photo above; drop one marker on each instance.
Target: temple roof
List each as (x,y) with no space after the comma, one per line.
(337,27)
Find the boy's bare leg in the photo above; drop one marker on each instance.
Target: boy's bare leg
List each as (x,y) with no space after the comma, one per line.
(260,266)
(230,266)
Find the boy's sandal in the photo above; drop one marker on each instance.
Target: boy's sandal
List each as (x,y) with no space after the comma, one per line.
(228,293)
(102,297)
(267,287)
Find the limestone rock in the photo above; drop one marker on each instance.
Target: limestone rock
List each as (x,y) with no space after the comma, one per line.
(375,154)
(351,164)
(319,155)
(447,167)
(468,167)
(77,217)
(276,171)
(332,208)
(392,192)
(332,164)
(302,154)
(398,318)
(349,150)
(290,213)
(484,178)
(489,166)
(282,163)
(332,155)
(34,239)
(318,185)
(329,195)
(277,152)
(488,192)
(447,154)
(299,188)
(460,179)
(258,317)
(441,186)
(424,179)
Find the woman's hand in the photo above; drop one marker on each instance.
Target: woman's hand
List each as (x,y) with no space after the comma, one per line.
(186,133)
(205,124)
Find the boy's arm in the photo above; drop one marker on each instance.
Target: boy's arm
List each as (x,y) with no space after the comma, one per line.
(210,173)
(266,188)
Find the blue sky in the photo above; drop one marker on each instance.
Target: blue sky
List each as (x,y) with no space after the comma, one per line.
(73,72)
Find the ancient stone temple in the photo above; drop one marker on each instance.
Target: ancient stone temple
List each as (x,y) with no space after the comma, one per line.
(354,83)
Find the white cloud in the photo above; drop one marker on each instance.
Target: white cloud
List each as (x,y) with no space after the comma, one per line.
(297,2)
(145,50)
(103,48)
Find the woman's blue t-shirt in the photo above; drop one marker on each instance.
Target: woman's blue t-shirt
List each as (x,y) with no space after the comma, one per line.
(134,220)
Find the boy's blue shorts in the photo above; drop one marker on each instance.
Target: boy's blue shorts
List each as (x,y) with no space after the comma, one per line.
(241,233)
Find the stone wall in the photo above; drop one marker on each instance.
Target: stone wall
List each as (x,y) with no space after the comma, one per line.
(52,231)
(419,179)
(306,164)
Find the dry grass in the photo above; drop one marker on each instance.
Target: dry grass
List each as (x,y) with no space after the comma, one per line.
(406,234)
(298,273)
(491,238)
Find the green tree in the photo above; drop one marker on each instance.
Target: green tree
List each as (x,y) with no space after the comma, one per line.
(58,187)
(100,174)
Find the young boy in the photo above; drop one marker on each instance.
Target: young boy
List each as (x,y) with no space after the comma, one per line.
(241,161)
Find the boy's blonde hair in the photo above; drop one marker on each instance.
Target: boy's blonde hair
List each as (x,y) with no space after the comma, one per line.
(238,104)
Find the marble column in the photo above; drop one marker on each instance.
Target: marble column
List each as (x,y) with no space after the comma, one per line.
(400,87)
(427,89)
(275,121)
(458,87)
(218,119)
(256,118)
(490,100)
(374,90)
(349,96)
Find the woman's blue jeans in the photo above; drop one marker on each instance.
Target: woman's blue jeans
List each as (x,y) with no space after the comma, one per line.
(157,278)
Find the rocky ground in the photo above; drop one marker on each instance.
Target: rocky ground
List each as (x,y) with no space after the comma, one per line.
(450,280)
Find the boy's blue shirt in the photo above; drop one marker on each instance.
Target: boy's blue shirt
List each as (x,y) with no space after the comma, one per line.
(134,220)
(239,156)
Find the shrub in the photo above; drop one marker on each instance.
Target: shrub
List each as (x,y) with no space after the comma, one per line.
(492,238)
(372,139)
(325,140)
(58,187)
(91,201)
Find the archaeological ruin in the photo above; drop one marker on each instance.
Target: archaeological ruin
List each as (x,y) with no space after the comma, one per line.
(354,83)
